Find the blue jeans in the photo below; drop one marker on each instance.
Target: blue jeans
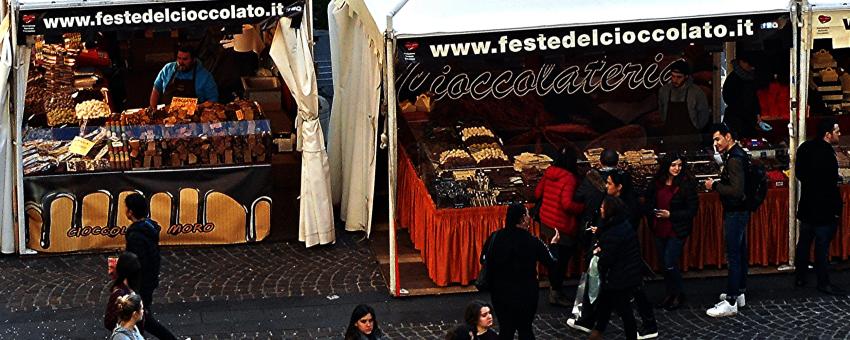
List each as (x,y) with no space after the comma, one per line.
(822,235)
(737,254)
(670,253)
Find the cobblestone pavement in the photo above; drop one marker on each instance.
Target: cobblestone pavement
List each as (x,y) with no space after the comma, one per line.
(231,273)
(283,291)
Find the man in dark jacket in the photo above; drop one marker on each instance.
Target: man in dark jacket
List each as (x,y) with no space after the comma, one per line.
(736,216)
(142,239)
(820,204)
(743,111)
(512,264)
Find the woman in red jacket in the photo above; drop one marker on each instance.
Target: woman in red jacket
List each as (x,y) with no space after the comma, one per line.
(559,211)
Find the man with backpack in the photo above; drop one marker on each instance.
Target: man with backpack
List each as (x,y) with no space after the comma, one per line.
(736,215)
(820,204)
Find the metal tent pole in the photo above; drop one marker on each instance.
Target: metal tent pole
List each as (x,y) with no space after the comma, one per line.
(798,78)
(392,172)
(392,134)
(804,49)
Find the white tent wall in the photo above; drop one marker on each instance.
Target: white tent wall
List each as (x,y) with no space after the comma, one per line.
(7,152)
(356,58)
(21,69)
(291,52)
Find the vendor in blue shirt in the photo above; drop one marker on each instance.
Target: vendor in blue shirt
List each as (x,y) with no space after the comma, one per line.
(185,77)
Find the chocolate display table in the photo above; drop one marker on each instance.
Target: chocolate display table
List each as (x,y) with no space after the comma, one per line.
(450,240)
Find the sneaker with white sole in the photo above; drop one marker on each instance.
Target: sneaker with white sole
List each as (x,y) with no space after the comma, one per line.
(721,309)
(577,326)
(740,301)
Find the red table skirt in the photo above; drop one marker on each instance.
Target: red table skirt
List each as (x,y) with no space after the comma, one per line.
(450,240)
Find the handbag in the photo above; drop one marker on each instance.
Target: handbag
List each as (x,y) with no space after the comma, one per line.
(482,282)
(534,212)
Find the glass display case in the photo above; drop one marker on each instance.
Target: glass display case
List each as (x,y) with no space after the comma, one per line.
(151,140)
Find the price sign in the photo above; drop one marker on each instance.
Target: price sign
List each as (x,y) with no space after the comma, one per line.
(80,146)
(188,104)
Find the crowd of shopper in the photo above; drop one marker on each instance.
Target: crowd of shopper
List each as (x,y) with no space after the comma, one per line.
(599,215)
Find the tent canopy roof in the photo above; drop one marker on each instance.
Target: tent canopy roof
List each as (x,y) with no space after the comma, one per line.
(447,17)
(828,4)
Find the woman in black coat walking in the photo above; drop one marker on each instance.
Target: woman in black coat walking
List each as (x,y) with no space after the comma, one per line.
(512,272)
(673,200)
(620,267)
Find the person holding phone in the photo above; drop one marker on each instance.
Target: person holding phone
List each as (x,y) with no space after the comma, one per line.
(672,196)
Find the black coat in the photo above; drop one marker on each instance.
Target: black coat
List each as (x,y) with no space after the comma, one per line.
(683,206)
(817,170)
(742,104)
(143,240)
(732,184)
(620,263)
(513,264)
(590,192)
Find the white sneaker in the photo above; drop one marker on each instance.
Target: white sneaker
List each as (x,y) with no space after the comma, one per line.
(572,323)
(721,309)
(740,301)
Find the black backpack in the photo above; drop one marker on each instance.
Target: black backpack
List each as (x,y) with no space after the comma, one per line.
(755,183)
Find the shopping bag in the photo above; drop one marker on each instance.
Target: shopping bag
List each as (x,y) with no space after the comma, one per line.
(111,263)
(593,279)
(482,282)
(578,303)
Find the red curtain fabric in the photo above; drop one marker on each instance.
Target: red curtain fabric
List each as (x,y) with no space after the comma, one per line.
(840,246)
(450,240)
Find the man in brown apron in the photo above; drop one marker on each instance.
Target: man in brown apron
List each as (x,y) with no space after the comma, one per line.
(683,108)
(185,77)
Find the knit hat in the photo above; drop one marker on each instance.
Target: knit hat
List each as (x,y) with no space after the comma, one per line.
(680,66)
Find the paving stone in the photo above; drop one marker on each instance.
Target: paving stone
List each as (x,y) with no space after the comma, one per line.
(280,290)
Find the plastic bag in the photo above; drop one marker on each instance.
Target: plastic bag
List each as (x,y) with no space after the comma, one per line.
(593,279)
(578,303)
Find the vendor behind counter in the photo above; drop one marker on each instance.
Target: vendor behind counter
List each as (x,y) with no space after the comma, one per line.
(185,77)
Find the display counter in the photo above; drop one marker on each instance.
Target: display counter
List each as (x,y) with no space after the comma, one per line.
(450,239)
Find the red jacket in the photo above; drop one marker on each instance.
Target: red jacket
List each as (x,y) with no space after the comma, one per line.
(559,211)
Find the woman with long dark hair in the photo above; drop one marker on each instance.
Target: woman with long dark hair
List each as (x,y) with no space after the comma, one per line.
(559,212)
(620,267)
(479,318)
(512,272)
(127,271)
(673,198)
(363,324)
(619,184)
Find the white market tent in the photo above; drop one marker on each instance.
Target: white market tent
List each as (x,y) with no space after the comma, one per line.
(361,36)
(7,230)
(291,51)
(809,9)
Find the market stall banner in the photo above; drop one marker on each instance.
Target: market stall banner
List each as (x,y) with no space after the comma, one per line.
(157,14)
(465,66)
(600,37)
(833,25)
(67,213)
